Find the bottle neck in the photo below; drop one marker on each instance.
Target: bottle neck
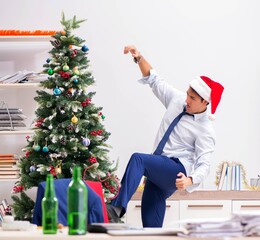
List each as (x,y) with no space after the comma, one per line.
(49,189)
(77,173)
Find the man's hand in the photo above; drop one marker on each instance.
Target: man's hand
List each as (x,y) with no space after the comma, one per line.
(144,66)
(183,182)
(133,50)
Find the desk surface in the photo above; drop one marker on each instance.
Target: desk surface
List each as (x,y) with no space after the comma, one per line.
(37,234)
(209,195)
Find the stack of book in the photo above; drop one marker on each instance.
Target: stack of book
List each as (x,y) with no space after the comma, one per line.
(230,177)
(8,167)
(5,209)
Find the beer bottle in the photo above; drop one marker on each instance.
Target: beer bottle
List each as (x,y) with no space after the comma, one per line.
(49,208)
(77,204)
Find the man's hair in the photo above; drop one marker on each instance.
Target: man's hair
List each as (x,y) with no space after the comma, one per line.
(197,94)
(201,98)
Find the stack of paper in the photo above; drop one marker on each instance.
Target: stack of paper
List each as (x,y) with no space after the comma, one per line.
(250,221)
(213,228)
(11,118)
(240,224)
(23,76)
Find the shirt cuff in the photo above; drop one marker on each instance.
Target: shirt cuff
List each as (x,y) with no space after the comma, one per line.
(192,187)
(149,79)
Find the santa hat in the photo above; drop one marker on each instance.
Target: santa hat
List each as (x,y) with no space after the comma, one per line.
(209,90)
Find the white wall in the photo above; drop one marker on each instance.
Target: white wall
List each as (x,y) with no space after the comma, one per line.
(181,39)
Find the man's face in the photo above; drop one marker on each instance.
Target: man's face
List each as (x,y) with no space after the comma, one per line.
(195,104)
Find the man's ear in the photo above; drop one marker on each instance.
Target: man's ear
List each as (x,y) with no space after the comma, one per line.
(207,103)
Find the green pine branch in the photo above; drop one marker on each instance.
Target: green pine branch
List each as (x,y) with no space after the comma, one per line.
(23,207)
(70,24)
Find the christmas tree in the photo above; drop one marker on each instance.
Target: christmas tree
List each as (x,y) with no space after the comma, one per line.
(69,128)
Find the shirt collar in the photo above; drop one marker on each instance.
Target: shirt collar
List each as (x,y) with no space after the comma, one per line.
(198,116)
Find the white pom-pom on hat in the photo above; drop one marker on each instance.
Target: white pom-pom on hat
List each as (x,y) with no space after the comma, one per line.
(209,90)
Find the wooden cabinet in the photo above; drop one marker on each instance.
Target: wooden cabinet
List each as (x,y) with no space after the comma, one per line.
(199,204)
(194,209)
(133,216)
(245,206)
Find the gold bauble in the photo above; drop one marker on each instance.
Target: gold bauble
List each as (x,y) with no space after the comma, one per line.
(74,119)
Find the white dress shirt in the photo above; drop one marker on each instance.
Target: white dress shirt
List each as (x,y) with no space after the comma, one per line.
(192,140)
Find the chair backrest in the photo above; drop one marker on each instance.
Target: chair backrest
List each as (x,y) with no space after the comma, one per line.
(95,205)
(97,187)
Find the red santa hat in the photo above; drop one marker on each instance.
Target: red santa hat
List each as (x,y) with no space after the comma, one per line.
(209,90)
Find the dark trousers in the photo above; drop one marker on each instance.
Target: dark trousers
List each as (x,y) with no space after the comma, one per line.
(161,173)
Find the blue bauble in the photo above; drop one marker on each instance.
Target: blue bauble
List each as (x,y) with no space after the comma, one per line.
(45,149)
(76,80)
(36,148)
(32,168)
(56,91)
(48,60)
(86,141)
(84,48)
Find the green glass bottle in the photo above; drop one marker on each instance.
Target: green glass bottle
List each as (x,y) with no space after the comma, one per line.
(49,208)
(77,204)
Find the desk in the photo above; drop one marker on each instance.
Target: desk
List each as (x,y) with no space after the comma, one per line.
(38,235)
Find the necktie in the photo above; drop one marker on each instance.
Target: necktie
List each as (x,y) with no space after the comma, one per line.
(159,149)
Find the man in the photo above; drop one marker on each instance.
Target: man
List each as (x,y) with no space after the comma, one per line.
(182,150)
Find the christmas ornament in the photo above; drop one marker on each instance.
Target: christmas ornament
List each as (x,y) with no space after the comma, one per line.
(52,171)
(96,132)
(84,48)
(74,119)
(70,46)
(65,68)
(27,154)
(76,71)
(36,148)
(65,74)
(88,100)
(69,93)
(17,189)
(101,115)
(92,160)
(39,122)
(56,91)
(75,80)
(63,141)
(85,141)
(32,168)
(50,71)
(70,128)
(56,43)
(48,104)
(48,60)
(45,149)
(58,170)
(74,53)
(57,69)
